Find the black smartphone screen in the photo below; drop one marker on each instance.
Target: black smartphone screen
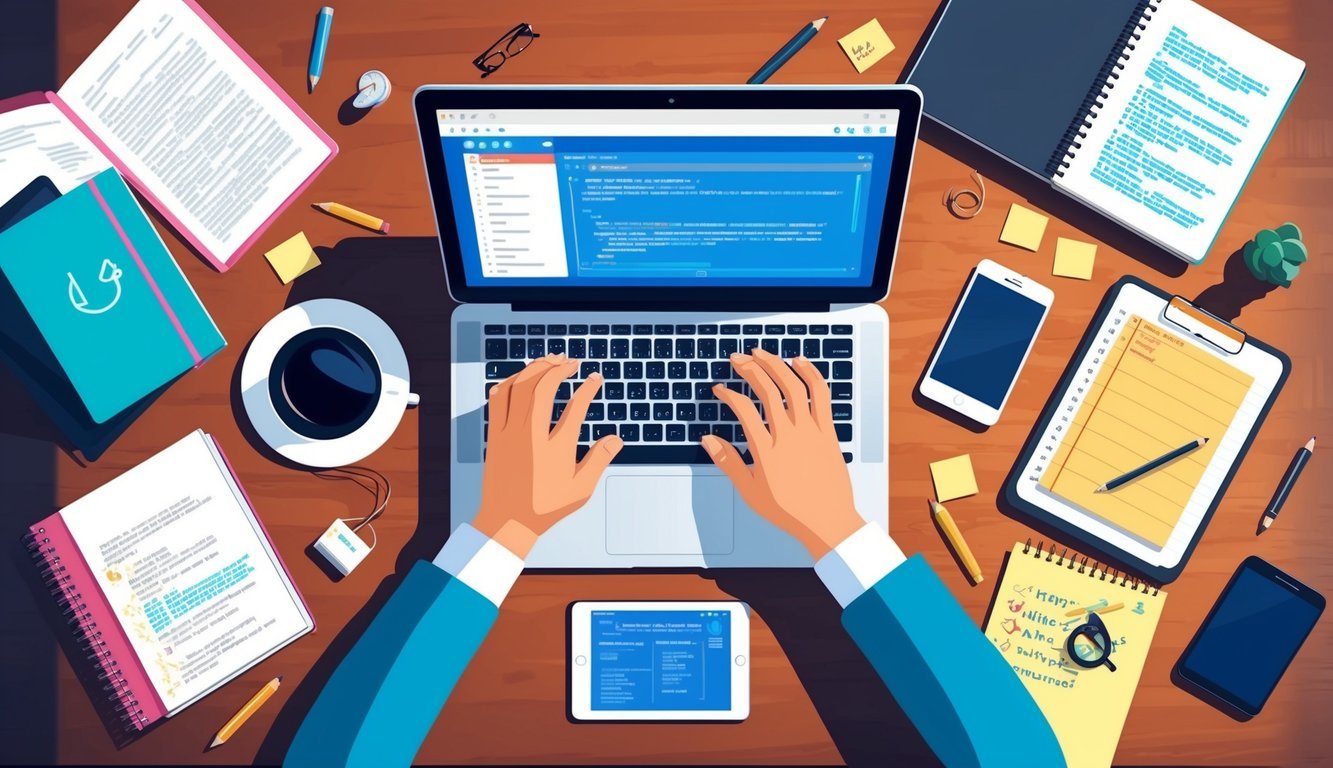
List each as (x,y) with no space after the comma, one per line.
(1251,636)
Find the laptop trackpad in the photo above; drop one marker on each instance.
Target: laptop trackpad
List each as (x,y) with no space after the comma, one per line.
(649,515)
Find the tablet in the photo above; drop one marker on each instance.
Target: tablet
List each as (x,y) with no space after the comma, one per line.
(659,661)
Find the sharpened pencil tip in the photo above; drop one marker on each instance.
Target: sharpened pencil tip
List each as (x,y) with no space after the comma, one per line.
(1267,521)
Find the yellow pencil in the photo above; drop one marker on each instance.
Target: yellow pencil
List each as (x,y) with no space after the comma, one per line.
(957,541)
(252,706)
(354,216)
(1107,609)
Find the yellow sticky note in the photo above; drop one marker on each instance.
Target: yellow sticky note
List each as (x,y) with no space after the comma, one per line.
(953,478)
(1074,258)
(1024,228)
(293,258)
(867,45)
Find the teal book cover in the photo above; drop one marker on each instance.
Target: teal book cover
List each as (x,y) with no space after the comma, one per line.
(106,295)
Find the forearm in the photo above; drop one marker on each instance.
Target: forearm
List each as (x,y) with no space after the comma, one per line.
(381,701)
(943,672)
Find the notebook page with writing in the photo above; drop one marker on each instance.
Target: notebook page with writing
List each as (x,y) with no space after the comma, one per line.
(180,559)
(1030,622)
(38,140)
(201,133)
(1178,133)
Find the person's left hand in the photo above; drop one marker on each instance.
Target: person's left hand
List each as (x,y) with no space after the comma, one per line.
(531,480)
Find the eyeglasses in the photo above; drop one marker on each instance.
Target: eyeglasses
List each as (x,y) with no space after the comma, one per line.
(510,44)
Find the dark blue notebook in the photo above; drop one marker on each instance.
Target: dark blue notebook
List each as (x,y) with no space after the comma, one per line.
(1150,112)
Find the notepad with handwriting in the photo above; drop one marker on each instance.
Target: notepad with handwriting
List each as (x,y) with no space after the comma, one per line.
(1030,622)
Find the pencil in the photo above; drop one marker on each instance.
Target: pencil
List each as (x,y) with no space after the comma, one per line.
(319,46)
(1137,472)
(1107,609)
(1297,464)
(956,540)
(787,51)
(252,706)
(354,216)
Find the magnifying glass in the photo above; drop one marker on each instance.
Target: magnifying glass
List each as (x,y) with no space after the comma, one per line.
(1089,644)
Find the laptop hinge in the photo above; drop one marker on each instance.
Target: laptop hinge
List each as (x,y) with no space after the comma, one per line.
(724,306)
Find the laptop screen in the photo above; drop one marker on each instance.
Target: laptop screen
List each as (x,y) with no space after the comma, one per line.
(645,197)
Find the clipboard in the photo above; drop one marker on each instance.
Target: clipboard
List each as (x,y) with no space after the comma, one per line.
(1152,372)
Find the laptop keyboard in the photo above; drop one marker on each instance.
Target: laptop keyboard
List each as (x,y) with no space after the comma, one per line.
(658,379)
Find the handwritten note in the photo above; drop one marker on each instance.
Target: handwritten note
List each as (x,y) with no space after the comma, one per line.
(1030,624)
(867,45)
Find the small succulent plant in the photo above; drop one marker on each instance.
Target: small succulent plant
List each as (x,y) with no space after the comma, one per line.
(1276,255)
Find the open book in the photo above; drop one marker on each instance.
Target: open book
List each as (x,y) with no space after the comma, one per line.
(186,115)
(170,583)
(1152,112)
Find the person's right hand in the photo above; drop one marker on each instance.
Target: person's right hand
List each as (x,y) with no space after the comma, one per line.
(799,480)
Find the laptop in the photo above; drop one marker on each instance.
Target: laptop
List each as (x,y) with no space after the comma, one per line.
(650,232)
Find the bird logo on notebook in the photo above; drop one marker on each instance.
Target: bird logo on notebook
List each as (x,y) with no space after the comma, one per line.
(110,273)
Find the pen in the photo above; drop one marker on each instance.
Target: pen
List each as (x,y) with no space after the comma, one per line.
(787,51)
(1136,473)
(956,540)
(1297,464)
(237,720)
(320,45)
(354,216)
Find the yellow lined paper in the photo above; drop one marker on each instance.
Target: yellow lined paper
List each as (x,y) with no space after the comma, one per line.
(1154,393)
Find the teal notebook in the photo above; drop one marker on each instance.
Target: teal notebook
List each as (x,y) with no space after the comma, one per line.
(106,295)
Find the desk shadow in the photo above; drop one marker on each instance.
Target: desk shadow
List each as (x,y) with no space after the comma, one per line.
(1041,194)
(866,723)
(1239,288)
(401,279)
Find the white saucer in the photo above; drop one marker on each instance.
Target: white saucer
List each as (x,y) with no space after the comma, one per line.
(383,420)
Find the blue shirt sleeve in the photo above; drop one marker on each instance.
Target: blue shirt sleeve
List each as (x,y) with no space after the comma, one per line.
(952,683)
(383,698)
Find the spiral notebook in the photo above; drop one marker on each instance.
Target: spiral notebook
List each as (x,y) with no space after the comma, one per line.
(169,581)
(1030,620)
(1152,112)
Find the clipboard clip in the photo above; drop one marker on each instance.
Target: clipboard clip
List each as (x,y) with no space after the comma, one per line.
(1204,325)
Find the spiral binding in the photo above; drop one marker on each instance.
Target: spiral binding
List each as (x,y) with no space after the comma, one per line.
(84,627)
(1096,571)
(1124,45)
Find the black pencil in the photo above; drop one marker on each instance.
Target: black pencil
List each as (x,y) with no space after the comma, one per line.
(1297,464)
(1134,474)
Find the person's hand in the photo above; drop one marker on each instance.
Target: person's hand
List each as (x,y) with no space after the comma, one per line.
(531,480)
(799,481)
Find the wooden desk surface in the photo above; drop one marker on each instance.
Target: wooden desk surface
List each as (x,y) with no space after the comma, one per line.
(814,698)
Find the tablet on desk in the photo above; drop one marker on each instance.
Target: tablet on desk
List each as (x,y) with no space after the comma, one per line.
(659,661)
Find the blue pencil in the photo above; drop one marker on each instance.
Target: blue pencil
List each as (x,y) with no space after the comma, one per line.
(787,51)
(320,45)
(1136,473)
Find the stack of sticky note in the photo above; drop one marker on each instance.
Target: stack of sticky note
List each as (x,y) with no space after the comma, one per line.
(953,478)
(866,45)
(1025,228)
(293,258)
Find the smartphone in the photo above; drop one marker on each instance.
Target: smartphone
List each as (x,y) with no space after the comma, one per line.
(986,342)
(1249,638)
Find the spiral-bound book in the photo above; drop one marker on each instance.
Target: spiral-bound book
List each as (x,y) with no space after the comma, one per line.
(1152,112)
(1045,596)
(168,581)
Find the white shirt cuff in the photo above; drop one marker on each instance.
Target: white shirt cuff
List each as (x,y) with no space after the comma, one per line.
(858,563)
(475,559)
